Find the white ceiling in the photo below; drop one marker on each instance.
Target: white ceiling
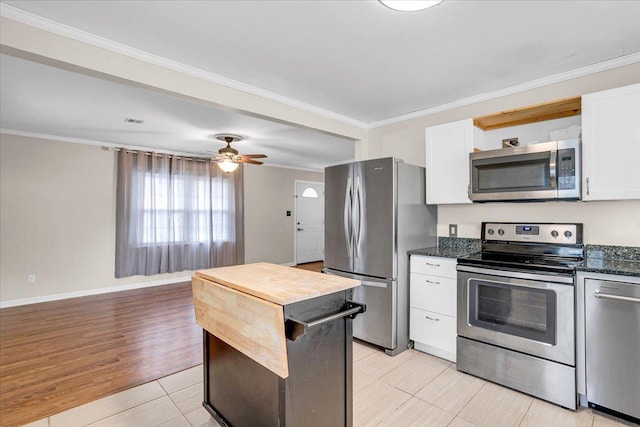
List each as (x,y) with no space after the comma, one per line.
(355,58)
(41,99)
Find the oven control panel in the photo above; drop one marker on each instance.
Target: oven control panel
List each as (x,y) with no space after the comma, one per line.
(532,232)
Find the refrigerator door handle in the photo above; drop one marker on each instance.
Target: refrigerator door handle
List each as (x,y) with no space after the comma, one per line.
(358,196)
(374,284)
(348,226)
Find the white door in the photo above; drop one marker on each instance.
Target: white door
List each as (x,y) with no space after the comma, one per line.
(309,221)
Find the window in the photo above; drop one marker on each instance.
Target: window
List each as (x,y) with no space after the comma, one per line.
(175,214)
(310,192)
(179,211)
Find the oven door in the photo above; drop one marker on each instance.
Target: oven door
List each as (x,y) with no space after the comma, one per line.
(527,312)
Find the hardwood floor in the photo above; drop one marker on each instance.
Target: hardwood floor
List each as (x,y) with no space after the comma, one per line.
(312,266)
(62,354)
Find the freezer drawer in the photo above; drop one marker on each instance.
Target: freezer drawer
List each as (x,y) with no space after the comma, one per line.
(612,331)
(378,324)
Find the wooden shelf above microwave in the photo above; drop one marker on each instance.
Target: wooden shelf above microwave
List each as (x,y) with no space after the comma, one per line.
(534,113)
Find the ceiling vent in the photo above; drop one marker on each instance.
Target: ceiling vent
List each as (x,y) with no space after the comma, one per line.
(130,120)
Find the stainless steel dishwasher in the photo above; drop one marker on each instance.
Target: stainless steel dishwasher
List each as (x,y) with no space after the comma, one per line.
(612,332)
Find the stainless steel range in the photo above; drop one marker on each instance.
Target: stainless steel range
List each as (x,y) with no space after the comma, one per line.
(516,308)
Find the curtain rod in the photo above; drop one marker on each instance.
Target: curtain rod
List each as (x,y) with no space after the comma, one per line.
(153,153)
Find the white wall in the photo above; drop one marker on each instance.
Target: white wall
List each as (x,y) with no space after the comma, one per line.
(612,223)
(270,192)
(57,220)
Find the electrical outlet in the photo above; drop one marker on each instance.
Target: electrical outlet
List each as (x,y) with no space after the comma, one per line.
(453,230)
(31,278)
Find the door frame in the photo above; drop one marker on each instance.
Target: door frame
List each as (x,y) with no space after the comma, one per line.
(295,216)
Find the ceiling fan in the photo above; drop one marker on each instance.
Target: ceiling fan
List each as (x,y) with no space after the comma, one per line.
(228,158)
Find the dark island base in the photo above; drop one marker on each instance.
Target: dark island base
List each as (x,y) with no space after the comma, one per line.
(318,391)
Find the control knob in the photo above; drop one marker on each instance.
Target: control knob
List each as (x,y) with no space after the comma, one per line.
(568,234)
(554,233)
(501,231)
(490,231)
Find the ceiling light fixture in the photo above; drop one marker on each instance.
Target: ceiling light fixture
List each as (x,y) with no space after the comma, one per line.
(409,5)
(228,158)
(228,165)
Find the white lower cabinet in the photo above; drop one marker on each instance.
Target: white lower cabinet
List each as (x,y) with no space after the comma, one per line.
(433,333)
(432,300)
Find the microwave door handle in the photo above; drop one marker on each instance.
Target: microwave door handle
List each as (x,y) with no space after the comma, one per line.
(552,169)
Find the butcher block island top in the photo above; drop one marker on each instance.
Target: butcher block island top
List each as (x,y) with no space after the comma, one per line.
(276,283)
(243,305)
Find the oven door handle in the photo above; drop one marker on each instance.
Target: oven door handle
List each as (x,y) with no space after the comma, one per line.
(518,275)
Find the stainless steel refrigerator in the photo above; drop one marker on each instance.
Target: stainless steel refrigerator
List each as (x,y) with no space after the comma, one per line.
(375,211)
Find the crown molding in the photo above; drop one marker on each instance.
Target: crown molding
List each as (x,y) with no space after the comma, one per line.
(287,167)
(102,144)
(83,141)
(534,84)
(113,46)
(104,43)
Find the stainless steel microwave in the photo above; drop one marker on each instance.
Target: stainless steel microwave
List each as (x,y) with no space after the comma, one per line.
(544,171)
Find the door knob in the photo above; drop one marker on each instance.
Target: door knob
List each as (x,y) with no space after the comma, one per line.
(300,229)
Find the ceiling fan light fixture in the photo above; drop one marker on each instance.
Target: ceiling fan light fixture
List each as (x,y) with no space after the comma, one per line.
(228,165)
(409,5)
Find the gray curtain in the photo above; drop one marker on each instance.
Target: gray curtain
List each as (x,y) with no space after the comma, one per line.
(175,214)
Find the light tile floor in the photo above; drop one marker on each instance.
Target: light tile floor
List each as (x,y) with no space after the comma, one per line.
(411,389)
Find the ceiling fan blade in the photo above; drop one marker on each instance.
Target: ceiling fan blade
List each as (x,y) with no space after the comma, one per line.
(252,162)
(254,156)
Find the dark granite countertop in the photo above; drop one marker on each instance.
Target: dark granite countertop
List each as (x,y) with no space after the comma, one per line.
(619,260)
(450,247)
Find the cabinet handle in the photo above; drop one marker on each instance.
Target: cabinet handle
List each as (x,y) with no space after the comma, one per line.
(587,186)
(432,319)
(433,283)
(432,265)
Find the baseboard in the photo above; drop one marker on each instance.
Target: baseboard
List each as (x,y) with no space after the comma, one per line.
(438,352)
(289,264)
(67,295)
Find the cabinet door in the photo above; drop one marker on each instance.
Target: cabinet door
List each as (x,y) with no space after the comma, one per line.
(436,331)
(447,163)
(433,266)
(431,293)
(611,144)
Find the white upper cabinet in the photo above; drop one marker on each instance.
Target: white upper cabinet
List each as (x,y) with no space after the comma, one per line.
(447,162)
(611,144)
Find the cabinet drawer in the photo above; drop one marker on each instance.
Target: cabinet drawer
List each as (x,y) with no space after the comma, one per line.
(433,293)
(442,267)
(433,329)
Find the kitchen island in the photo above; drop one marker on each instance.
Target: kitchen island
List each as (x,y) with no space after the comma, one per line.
(277,345)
